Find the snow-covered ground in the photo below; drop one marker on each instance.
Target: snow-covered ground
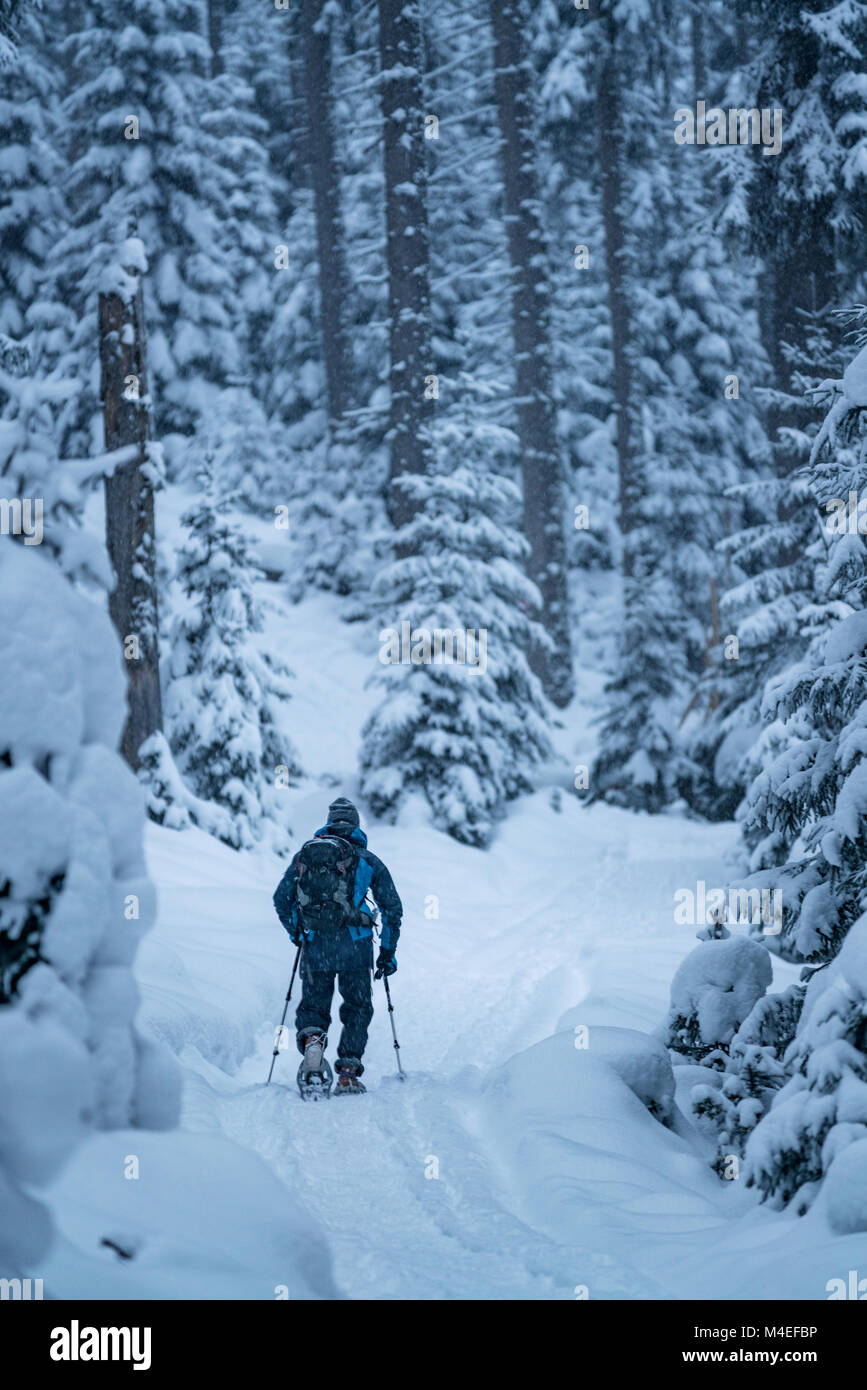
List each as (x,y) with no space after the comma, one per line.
(515,1161)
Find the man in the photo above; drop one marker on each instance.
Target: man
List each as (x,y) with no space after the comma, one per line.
(322,902)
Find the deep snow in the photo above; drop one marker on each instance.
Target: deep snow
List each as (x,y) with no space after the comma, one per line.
(516,1161)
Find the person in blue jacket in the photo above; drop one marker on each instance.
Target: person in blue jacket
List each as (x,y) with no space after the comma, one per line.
(322,901)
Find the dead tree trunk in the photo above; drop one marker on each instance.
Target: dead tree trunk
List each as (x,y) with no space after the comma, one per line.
(541,463)
(407,247)
(129,510)
(321,144)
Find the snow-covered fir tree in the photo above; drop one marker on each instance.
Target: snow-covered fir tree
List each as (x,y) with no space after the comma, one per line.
(225,691)
(806,203)
(464,736)
(580,322)
(32,212)
(688,424)
(339,455)
(770,561)
(147,156)
(47,493)
(75,898)
(814,1133)
(806,800)
(801,211)
(794,1077)
(754,1068)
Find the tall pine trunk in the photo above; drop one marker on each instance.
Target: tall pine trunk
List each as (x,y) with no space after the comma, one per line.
(407,247)
(325,178)
(609,119)
(541,463)
(129,510)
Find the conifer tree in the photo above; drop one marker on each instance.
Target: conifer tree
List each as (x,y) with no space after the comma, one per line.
(463,736)
(541,461)
(224,693)
(143,161)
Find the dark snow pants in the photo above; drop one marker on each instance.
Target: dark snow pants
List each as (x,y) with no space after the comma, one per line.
(351,962)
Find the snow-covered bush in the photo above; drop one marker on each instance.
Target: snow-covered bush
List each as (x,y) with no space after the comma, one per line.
(713,991)
(822,1108)
(74,894)
(754,1072)
(464,736)
(223,695)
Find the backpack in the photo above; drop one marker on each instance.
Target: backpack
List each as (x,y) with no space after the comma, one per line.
(325,883)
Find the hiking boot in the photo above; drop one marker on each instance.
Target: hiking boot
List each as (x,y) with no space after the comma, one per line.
(314,1048)
(348,1084)
(314,1073)
(348,1071)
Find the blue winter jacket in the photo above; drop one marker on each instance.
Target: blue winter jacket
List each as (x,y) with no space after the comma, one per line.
(371,874)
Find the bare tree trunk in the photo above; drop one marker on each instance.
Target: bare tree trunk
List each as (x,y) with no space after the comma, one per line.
(407,246)
(129,511)
(333,280)
(541,462)
(611,140)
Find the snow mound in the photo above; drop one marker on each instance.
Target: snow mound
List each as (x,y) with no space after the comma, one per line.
(713,991)
(844,1193)
(199,1216)
(44,1083)
(583,1152)
(641,1062)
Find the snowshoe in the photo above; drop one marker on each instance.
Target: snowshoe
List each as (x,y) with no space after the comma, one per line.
(348,1085)
(314,1074)
(348,1082)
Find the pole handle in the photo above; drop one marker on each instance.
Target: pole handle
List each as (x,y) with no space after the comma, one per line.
(274,1054)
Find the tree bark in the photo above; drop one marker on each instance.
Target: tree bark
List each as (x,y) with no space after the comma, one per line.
(609,109)
(541,462)
(324,172)
(129,511)
(407,247)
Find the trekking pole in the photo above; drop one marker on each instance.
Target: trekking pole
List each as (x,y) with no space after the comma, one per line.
(283,1019)
(400,1071)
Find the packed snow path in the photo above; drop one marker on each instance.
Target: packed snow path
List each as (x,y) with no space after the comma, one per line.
(510,1164)
(543,1185)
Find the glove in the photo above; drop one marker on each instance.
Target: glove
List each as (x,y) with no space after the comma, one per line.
(385,964)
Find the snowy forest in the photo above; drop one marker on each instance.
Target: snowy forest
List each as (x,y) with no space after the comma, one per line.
(458,407)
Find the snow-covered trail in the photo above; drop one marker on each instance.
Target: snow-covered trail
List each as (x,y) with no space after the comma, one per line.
(509,1164)
(552,919)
